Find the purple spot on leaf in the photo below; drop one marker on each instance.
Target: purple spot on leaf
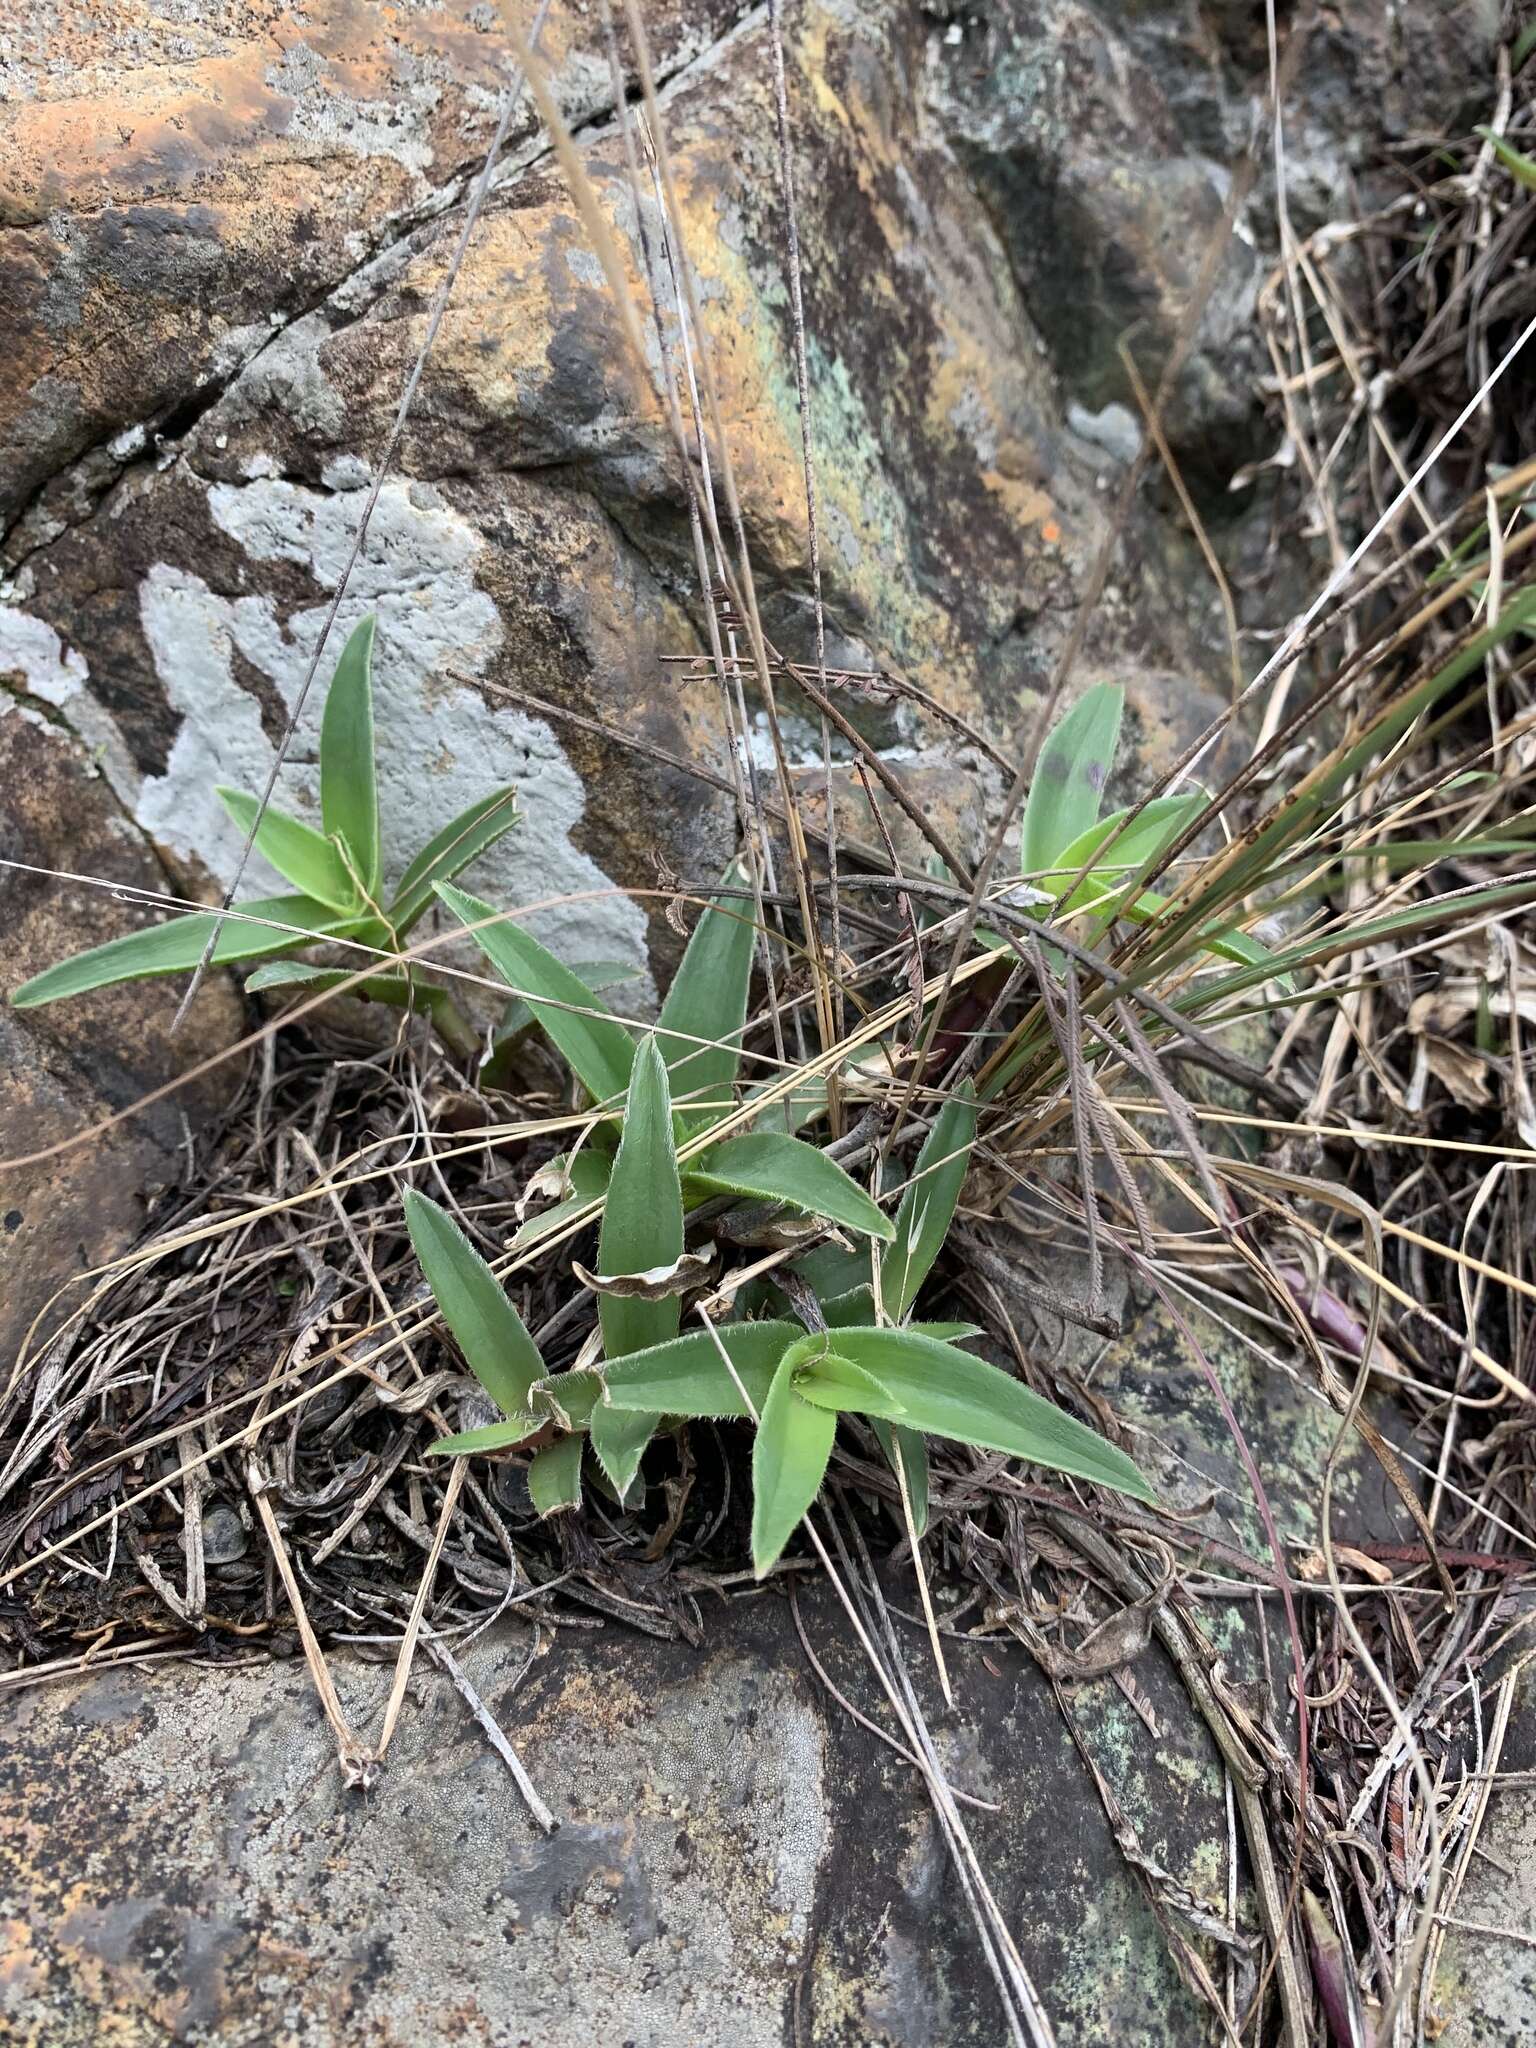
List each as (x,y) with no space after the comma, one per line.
(1096,771)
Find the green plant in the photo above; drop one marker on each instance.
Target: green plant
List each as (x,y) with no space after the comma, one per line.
(337,872)
(1081,862)
(698,1035)
(907,1381)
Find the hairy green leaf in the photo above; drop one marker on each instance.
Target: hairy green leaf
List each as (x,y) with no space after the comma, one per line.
(928,1203)
(708,1001)
(946,1392)
(1070,774)
(828,1381)
(401,991)
(494,1436)
(554,1476)
(619,1437)
(487,1328)
(349,792)
(300,854)
(595,1043)
(789,1459)
(469,835)
(688,1376)
(177,946)
(642,1228)
(777,1168)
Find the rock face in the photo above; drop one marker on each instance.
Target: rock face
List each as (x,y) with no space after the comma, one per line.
(62,1069)
(222,229)
(219,242)
(737,1858)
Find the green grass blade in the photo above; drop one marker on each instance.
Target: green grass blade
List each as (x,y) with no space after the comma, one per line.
(177,947)
(471,833)
(1520,167)
(928,1203)
(948,1393)
(908,1446)
(708,1000)
(1068,784)
(688,1376)
(774,1167)
(300,854)
(1395,924)
(789,1461)
(554,1476)
(642,1228)
(596,1045)
(487,1328)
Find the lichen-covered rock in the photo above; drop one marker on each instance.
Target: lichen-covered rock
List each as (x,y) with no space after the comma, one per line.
(64,1069)
(737,1859)
(177,185)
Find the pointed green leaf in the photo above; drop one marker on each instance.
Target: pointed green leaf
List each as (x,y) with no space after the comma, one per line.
(928,1203)
(1159,824)
(619,1437)
(487,1328)
(708,1001)
(907,1455)
(777,1168)
(300,854)
(689,1377)
(828,1381)
(789,1460)
(349,795)
(642,1228)
(496,1067)
(495,1436)
(1070,774)
(948,1393)
(177,946)
(554,1476)
(595,1043)
(470,834)
(643,1214)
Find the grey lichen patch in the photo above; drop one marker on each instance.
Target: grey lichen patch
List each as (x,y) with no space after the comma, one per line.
(672,1908)
(35,661)
(441,744)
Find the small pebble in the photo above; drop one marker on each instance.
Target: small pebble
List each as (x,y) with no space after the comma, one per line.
(224,1536)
